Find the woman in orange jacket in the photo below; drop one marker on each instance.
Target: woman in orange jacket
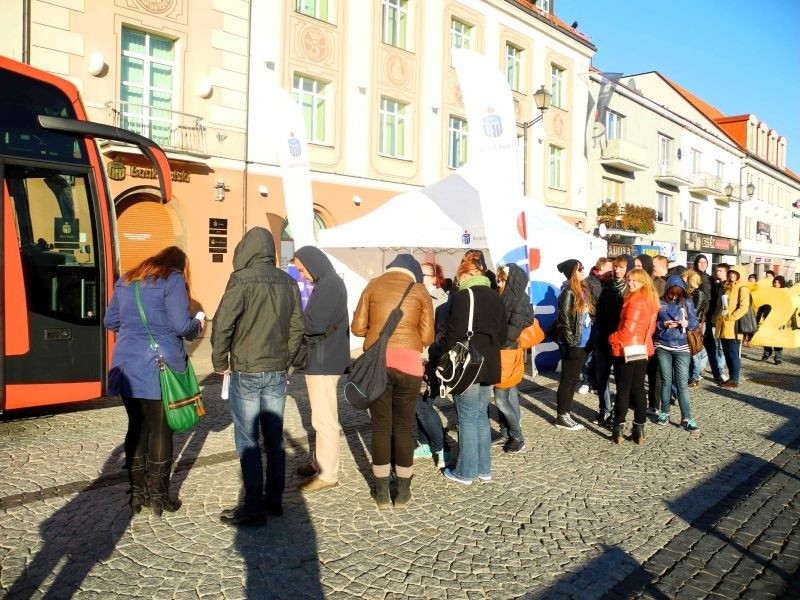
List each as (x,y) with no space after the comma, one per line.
(637,324)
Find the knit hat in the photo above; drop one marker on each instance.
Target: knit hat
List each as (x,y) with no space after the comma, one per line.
(409,263)
(647,263)
(568,267)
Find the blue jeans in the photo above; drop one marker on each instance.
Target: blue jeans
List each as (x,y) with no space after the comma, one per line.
(474,432)
(699,362)
(714,353)
(730,348)
(674,369)
(257,401)
(429,424)
(507,400)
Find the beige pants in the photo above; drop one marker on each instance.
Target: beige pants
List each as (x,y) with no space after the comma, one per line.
(325,420)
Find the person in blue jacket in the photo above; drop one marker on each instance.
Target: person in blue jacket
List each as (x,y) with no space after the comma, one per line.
(164,290)
(675,316)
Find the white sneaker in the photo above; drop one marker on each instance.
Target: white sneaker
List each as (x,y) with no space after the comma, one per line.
(565,422)
(584,389)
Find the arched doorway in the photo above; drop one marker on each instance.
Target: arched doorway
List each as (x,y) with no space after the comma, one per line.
(287,242)
(144,227)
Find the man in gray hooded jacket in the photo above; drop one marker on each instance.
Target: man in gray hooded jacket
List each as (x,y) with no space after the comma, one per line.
(257,330)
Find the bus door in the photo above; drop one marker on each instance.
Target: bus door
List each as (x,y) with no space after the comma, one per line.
(60,290)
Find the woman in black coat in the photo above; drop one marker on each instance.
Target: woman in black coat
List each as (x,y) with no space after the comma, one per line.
(489,333)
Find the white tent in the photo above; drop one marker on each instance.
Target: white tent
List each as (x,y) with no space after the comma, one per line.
(444,220)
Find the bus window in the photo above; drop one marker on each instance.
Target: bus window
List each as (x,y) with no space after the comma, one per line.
(55,229)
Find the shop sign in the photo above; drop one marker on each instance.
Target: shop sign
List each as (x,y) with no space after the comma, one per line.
(615,249)
(648,250)
(116,171)
(699,242)
(762,228)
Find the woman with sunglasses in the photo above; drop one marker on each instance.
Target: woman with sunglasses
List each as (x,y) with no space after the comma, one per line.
(574,325)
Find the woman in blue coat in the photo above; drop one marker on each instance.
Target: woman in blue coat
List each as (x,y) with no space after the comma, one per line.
(675,316)
(164,289)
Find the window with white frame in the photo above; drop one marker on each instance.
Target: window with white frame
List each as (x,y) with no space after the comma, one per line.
(457,143)
(557,86)
(393,128)
(395,22)
(614,125)
(664,151)
(312,96)
(718,220)
(663,207)
(555,168)
(146,85)
(313,8)
(696,161)
(612,191)
(694,215)
(544,5)
(513,65)
(720,173)
(460,34)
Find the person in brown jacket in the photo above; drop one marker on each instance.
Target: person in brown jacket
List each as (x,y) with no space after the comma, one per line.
(392,415)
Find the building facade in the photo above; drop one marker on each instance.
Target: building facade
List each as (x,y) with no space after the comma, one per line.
(384,115)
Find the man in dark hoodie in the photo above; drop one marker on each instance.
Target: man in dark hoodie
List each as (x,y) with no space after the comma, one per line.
(257,330)
(607,315)
(326,322)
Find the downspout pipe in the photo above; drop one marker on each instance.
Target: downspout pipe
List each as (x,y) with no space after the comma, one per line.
(26,32)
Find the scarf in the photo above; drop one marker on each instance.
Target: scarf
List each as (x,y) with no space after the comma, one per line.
(473,281)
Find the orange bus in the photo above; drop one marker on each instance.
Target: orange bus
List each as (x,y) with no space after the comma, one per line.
(59,247)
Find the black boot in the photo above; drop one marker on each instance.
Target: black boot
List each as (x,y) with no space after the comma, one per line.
(616,432)
(403,496)
(382,498)
(137,473)
(638,433)
(158,474)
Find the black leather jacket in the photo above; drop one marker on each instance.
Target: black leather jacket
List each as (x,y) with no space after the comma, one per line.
(569,322)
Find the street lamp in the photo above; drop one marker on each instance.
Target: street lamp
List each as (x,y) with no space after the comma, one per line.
(542,99)
(750,189)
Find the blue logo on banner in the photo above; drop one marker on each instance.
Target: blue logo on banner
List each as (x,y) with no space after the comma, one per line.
(492,126)
(465,238)
(294,147)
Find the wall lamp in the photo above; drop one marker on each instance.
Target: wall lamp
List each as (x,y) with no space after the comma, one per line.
(750,190)
(357,200)
(219,190)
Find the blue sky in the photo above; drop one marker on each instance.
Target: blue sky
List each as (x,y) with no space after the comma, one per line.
(739,56)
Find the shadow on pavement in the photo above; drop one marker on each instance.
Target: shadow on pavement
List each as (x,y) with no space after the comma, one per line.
(78,536)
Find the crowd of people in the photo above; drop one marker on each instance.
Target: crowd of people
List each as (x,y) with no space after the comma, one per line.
(630,316)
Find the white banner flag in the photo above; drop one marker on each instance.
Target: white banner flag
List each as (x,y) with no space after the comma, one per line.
(492,155)
(290,129)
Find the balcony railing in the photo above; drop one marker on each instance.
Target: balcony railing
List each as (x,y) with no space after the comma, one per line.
(623,155)
(707,184)
(172,130)
(671,174)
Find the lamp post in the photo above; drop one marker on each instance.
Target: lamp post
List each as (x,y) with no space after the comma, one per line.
(542,99)
(750,189)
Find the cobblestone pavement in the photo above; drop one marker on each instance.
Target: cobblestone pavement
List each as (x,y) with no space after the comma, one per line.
(712,514)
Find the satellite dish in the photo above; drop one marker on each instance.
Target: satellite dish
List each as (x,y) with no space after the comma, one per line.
(602,230)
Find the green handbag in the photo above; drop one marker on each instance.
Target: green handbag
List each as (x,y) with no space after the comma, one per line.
(180,391)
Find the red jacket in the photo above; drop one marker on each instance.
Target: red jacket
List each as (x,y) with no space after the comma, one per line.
(637,324)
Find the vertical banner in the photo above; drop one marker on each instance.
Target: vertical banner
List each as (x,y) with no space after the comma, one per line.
(607,87)
(492,155)
(290,130)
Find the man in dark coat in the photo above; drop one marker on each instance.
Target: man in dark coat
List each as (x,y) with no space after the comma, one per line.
(326,323)
(257,330)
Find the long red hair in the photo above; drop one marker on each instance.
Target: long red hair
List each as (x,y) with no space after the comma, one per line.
(160,266)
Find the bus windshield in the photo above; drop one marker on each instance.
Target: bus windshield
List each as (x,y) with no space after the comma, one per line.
(21,135)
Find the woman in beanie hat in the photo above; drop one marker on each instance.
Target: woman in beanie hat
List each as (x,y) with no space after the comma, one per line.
(574,324)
